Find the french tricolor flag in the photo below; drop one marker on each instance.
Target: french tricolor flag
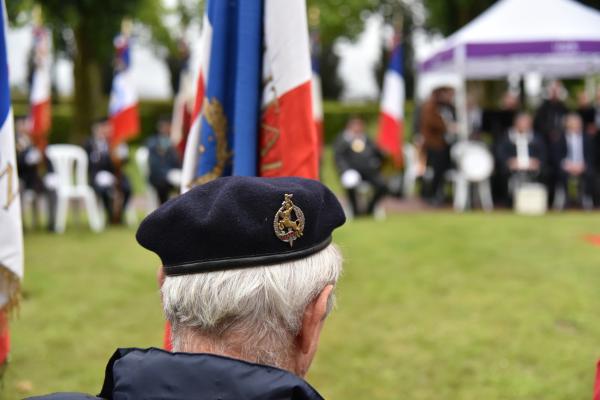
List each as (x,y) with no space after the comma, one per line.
(391,120)
(11,233)
(123,103)
(40,94)
(253,113)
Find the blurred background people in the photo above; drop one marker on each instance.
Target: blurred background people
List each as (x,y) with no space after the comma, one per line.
(575,158)
(549,124)
(522,154)
(106,174)
(358,160)
(29,158)
(550,115)
(587,112)
(497,122)
(163,161)
(437,127)
(32,168)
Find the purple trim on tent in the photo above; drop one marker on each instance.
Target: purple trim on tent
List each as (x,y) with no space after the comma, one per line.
(508,49)
(439,58)
(537,48)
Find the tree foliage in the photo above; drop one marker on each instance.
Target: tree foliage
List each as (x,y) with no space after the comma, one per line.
(84,31)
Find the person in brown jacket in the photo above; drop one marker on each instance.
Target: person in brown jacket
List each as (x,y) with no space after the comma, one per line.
(436,122)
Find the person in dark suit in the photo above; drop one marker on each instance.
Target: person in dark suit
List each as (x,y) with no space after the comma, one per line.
(593,131)
(29,158)
(522,154)
(34,171)
(574,154)
(163,161)
(108,181)
(549,124)
(497,122)
(358,159)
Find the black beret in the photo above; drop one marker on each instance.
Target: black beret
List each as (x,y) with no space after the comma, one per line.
(238,222)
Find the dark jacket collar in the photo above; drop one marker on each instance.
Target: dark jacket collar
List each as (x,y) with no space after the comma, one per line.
(157,374)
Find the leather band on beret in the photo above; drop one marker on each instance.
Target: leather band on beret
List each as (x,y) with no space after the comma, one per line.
(243,262)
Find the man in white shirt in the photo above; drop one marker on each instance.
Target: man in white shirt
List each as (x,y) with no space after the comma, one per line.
(522,154)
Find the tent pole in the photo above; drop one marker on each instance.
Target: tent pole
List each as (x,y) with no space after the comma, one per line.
(461,93)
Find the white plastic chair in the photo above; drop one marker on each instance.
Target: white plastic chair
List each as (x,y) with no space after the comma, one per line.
(475,165)
(70,165)
(142,156)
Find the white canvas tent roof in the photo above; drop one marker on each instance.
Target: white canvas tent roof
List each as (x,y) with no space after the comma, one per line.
(556,38)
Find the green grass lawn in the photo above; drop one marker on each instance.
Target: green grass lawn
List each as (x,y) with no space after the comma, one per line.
(431,306)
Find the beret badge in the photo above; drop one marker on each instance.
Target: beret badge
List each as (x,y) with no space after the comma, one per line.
(289,221)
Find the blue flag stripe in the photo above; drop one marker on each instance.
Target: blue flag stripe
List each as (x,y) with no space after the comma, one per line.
(4,85)
(231,110)
(397,60)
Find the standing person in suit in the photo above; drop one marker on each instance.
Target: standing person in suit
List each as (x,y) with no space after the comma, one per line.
(437,126)
(549,124)
(163,161)
(593,131)
(574,155)
(358,159)
(114,190)
(522,154)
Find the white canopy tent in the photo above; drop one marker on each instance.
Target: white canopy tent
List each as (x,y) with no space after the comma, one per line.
(553,38)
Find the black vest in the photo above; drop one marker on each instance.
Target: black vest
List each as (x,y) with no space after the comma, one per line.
(157,374)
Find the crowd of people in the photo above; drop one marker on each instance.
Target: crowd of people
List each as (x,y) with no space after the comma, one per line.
(107,172)
(556,146)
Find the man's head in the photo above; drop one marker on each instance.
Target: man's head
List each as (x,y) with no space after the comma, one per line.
(510,100)
(356,126)
(573,123)
(163,125)
(555,90)
(22,126)
(102,129)
(583,100)
(523,122)
(271,315)
(248,267)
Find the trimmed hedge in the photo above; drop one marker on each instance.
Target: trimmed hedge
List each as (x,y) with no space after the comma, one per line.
(335,117)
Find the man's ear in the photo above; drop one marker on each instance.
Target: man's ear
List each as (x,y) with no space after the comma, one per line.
(160,276)
(312,322)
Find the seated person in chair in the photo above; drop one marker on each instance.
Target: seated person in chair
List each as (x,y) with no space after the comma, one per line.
(163,161)
(522,154)
(575,159)
(31,167)
(105,171)
(358,160)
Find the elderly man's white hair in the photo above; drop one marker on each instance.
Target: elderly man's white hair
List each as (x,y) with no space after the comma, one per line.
(254,312)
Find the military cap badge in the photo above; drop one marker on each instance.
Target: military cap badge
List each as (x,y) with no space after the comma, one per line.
(289,221)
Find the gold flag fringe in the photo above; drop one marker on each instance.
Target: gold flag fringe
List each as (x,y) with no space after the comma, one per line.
(11,285)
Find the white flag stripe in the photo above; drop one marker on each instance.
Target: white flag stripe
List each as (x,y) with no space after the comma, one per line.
(392,99)
(41,82)
(317,101)
(190,155)
(286,31)
(11,233)
(123,93)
